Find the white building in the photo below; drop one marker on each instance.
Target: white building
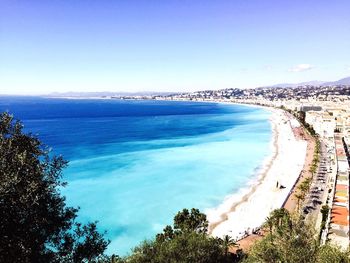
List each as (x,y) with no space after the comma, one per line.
(322,122)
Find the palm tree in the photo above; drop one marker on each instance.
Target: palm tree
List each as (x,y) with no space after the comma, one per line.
(299,198)
(269,224)
(277,221)
(227,242)
(304,187)
(280,218)
(278,215)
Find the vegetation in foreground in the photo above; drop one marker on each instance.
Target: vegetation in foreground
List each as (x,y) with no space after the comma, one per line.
(37,226)
(287,239)
(186,241)
(290,239)
(35,223)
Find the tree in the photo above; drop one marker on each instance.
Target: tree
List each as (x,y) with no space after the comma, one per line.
(303,189)
(227,242)
(324,212)
(292,240)
(186,221)
(269,223)
(299,198)
(35,223)
(186,241)
(278,215)
(187,248)
(302,115)
(329,253)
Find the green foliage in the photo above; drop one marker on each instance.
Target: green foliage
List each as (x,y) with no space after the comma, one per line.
(186,221)
(303,189)
(300,197)
(324,212)
(227,242)
(186,247)
(329,253)
(35,224)
(187,241)
(301,116)
(290,239)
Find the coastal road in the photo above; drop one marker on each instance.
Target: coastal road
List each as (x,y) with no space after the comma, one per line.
(318,193)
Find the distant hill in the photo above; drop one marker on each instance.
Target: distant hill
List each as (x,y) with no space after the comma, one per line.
(344,81)
(292,85)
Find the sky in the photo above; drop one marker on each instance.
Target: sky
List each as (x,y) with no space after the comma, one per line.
(170,45)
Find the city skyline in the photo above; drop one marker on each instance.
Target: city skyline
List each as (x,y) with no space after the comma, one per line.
(136,46)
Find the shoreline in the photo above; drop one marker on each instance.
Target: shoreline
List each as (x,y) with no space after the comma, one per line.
(238,218)
(260,176)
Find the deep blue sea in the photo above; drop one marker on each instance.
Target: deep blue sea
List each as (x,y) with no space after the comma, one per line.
(134,164)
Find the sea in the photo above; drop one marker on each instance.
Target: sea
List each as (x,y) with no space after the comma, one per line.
(133,164)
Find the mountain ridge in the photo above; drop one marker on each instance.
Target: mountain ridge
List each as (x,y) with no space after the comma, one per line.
(343,81)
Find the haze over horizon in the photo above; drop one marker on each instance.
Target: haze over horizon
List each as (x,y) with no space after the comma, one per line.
(135,46)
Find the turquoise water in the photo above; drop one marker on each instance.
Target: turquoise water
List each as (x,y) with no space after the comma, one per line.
(134,164)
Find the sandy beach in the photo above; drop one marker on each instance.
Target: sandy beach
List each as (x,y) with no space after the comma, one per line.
(242,212)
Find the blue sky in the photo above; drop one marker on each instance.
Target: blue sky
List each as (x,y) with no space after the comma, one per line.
(187,45)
